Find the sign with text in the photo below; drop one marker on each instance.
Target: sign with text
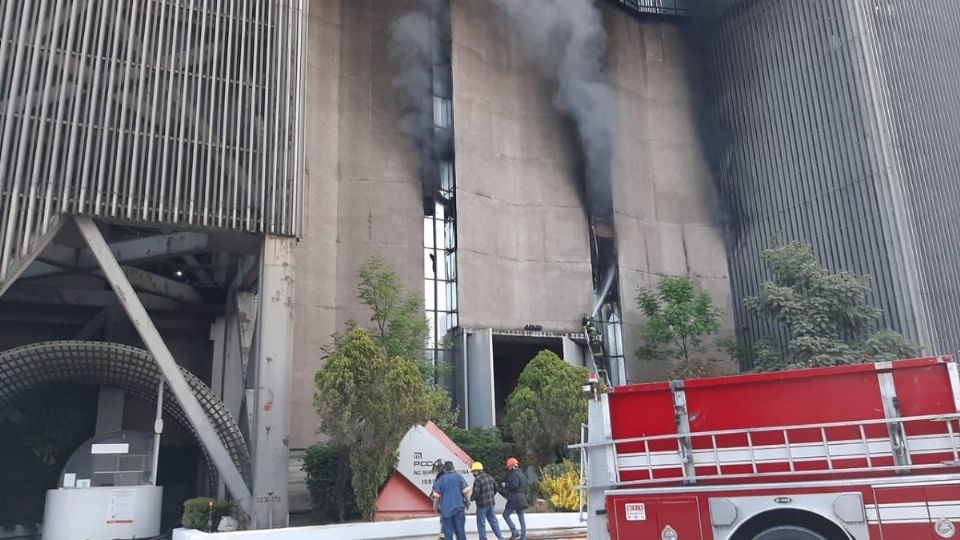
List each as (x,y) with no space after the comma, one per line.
(418,451)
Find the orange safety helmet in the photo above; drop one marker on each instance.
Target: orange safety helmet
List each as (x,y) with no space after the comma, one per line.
(512,462)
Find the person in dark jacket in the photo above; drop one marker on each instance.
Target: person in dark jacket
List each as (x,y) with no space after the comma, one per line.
(484,493)
(515,488)
(438,471)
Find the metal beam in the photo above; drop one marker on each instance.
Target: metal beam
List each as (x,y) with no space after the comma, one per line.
(197,269)
(162,286)
(133,251)
(246,274)
(86,297)
(59,255)
(151,248)
(168,366)
(233,373)
(274,356)
(40,314)
(10,273)
(94,324)
(42,269)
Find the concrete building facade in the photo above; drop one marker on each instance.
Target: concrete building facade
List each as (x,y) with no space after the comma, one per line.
(502,245)
(524,274)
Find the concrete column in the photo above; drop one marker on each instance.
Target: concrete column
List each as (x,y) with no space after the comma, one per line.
(217,336)
(271,391)
(239,325)
(573,354)
(478,380)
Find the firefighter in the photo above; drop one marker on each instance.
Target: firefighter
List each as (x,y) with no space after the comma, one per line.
(515,489)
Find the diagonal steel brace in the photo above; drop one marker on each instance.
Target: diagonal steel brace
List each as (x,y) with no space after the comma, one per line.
(168,366)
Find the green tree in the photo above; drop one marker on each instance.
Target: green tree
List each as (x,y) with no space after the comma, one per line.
(678,320)
(367,402)
(399,326)
(545,410)
(401,329)
(825,315)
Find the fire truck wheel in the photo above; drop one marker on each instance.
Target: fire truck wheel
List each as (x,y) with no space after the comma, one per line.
(789,532)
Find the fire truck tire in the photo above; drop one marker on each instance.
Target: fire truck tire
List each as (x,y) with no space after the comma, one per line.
(789,524)
(789,532)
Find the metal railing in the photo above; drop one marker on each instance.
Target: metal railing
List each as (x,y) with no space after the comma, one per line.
(657,7)
(894,452)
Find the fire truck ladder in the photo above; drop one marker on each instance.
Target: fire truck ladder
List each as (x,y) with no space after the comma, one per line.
(906,445)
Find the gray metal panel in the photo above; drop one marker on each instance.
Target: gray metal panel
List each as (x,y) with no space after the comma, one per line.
(841,121)
(181,113)
(918,52)
(479,372)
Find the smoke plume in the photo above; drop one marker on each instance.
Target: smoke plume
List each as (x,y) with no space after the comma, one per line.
(566,41)
(414,38)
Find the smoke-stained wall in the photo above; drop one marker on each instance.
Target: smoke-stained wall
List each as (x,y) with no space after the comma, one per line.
(663,189)
(519,165)
(524,254)
(523,239)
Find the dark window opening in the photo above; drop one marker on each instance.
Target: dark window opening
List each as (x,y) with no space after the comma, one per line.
(511,354)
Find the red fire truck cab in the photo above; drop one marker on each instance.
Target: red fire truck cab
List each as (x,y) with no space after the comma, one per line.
(854,452)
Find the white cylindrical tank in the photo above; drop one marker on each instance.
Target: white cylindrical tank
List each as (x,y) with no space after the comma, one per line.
(102,513)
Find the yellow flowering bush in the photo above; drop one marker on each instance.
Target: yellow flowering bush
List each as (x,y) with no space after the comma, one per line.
(559,483)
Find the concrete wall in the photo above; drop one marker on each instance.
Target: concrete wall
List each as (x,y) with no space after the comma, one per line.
(522,232)
(316,274)
(521,219)
(663,187)
(523,242)
(362,193)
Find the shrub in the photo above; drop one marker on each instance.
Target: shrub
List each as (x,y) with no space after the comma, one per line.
(546,409)
(196,513)
(328,481)
(559,483)
(486,446)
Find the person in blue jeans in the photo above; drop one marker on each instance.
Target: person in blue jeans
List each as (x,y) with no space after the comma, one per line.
(515,488)
(451,490)
(484,494)
(438,471)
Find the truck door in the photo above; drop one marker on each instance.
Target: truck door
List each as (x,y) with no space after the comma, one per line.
(666,518)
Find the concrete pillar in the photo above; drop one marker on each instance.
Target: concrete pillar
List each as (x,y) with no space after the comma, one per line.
(478,380)
(573,353)
(271,389)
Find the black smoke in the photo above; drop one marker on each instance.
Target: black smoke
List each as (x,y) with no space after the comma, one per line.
(416,47)
(565,40)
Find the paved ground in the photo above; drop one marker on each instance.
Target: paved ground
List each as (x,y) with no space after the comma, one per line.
(540,526)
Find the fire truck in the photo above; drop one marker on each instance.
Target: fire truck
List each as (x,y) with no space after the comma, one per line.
(857,452)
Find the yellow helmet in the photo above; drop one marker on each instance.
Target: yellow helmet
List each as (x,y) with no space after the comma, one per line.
(477,466)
